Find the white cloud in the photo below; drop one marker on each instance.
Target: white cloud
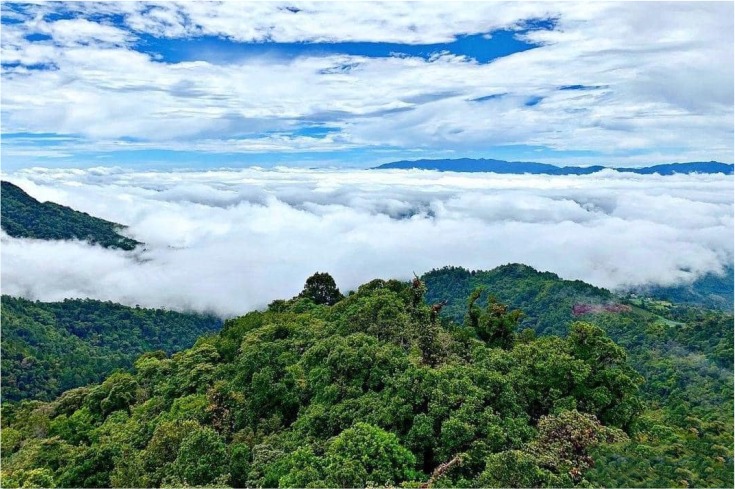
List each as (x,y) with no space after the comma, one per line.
(232,240)
(395,22)
(664,74)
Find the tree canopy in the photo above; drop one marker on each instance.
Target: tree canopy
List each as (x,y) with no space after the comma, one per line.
(383,387)
(50,347)
(321,289)
(311,395)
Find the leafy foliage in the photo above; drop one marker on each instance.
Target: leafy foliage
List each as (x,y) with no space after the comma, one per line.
(685,354)
(545,299)
(321,289)
(375,389)
(48,348)
(25,217)
(557,457)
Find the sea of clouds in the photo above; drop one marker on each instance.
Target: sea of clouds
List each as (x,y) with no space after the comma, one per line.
(230,240)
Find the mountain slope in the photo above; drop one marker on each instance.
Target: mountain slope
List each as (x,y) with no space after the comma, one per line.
(551,305)
(22,216)
(521,167)
(48,348)
(546,300)
(372,390)
(713,291)
(684,353)
(380,389)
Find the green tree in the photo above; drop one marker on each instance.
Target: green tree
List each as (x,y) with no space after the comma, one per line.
(117,392)
(202,458)
(496,325)
(306,470)
(29,478)
(516,468)
(321,289)
(366,454)
(163,449)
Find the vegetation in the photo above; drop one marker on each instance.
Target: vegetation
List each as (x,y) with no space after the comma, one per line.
(48,348)
(25,217)
(684,437)
(320,288)
(546,300)
(375,389)
(714,291)
(440,382)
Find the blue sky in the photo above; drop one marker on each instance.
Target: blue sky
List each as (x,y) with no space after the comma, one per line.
(342,84)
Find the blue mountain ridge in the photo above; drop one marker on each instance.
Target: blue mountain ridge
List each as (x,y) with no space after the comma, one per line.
(522,167)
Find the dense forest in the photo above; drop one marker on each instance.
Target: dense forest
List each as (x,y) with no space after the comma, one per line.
(375,388)
(25,217)
(684,437)
(48,348)
(382,387)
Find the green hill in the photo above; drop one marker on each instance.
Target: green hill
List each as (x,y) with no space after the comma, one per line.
(377,388)
(374,389)
(685,354)
(48,348)
(551,304)
(22,216)
(546,300)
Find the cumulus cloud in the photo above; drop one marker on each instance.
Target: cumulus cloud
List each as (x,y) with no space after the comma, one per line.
(659,78)
(395,22)
(232,240)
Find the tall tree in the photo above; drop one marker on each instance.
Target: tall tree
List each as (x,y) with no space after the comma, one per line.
(321,289)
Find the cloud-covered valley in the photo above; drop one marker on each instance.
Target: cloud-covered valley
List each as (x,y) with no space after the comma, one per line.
(231,240)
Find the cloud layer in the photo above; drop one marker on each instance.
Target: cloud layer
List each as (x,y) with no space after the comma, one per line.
(654,80)
(231,240)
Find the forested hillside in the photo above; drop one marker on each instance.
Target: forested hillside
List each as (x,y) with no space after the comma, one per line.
(48,348)
(546,300)
(714,291)
(684,353)
(25,217)
(385,387)
(374,389)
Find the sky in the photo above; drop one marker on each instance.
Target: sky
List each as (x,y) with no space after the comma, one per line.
(355,84)
(228,241)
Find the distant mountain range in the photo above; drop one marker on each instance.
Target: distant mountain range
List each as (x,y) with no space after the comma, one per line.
(521,167)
